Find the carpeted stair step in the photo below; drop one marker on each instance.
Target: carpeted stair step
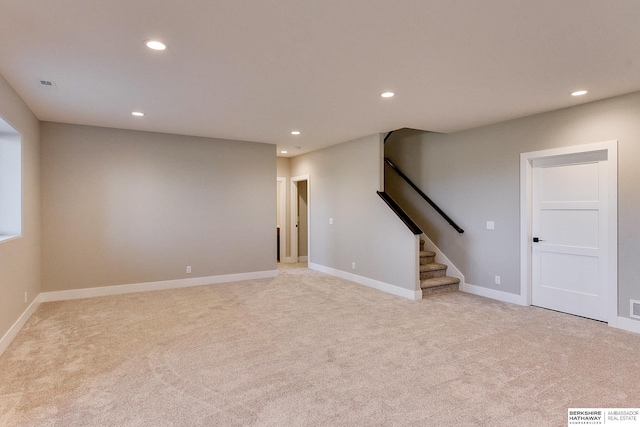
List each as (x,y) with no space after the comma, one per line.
(431,270)
(427,257)
(439,284)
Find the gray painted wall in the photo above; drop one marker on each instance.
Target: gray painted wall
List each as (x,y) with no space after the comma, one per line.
(123,207)
(343,181)
(284,167)
(20,257)
(474,176)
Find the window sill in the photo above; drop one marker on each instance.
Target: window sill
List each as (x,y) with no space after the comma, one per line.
(8,237)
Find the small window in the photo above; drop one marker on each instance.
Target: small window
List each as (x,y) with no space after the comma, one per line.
(10,182)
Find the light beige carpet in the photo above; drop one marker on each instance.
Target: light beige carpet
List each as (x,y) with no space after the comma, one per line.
(307,349)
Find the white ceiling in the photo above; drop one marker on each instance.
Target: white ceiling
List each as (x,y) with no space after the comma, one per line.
(256,69)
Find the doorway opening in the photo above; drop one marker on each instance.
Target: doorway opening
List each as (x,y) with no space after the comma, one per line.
(281,218)
(300,230)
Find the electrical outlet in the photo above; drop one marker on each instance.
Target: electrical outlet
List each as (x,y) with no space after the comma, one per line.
(331,221)
(497,280)
(353,265)
(188,269)
(491,225)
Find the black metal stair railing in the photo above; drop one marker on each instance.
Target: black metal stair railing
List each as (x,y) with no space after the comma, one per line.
(401,214)
(424,196)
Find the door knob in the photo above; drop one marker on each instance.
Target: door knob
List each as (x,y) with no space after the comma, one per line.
(536,240)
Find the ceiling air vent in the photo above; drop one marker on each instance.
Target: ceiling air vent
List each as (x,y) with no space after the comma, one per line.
(47,84)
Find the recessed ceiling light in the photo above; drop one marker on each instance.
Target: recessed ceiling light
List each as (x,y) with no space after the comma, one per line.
(579,93)
(295,132)
(155,45)
(137,113)
(284,152)
(387,94)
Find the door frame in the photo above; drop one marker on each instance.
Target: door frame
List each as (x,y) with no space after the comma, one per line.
(282,203)
(294,215)
(526,219)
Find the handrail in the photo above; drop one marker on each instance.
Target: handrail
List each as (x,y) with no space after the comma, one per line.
(424,196)
(387,136)
(401,214)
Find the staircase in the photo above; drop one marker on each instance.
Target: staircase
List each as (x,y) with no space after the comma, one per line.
(433,276)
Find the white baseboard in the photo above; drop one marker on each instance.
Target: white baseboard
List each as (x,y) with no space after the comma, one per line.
(153,286)
(124,289)
(13,330)
(376,284)
(493,294)
(623,323)
(627,324)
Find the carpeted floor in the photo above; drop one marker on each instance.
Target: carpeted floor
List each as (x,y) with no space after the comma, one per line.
(307,349)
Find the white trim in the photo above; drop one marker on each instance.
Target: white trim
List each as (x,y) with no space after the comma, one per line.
(441,258)
(526,203)
(620,322)
(124,289)
(623,323)
(9,237)
(381,165)
(17,326)
(493,294)
(376,284)
(416,266)
(293,206)
(526,196)
(627,325)
(154,286)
